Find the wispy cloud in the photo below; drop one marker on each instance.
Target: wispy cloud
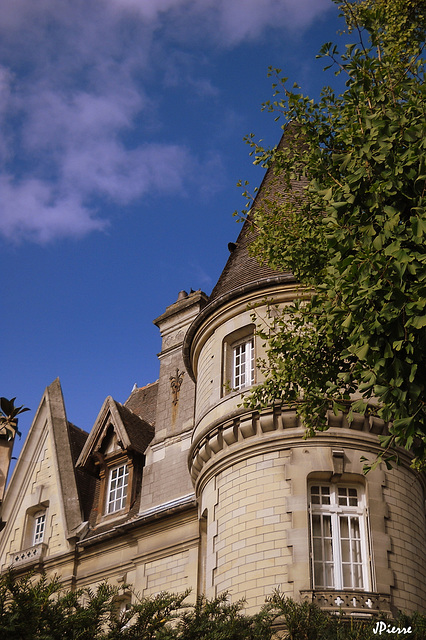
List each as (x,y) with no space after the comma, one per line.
(229,21)
(74,97)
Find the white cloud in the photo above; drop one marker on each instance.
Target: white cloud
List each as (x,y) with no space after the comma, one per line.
(31,210)
(74,100)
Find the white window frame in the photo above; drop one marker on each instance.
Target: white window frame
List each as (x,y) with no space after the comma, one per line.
(243,363)
(339,537)
(39,527)
(118,484)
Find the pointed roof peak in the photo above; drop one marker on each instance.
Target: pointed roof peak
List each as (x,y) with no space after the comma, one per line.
(132,431)
(241,268)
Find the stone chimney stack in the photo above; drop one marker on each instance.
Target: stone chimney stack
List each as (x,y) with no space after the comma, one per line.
(176,414)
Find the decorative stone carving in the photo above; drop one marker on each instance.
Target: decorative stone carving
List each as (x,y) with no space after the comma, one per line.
(175,384)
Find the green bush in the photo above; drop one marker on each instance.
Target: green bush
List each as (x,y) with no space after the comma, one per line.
(40,609)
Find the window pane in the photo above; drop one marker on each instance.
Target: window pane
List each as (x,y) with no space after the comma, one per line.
(355,533)
(353,498)
(356,551)
(347,579)
(316,526)
(318,549)
(346,551)
(319,578)
(344,527)
(357,579)
(328,550)
(325,495)
(327,526)
(329,576)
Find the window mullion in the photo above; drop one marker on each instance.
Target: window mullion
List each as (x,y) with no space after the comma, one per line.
(337,550)
(365,551)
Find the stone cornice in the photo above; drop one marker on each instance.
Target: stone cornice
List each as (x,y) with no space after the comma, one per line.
(245,433)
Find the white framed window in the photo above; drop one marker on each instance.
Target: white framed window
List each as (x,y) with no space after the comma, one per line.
(243,364)
(339,537)
(39,527)
(117,488)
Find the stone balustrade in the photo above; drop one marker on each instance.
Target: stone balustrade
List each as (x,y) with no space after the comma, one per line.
(349,602)
(33,554)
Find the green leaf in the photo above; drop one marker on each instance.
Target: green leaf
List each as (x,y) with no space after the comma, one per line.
(362,351)
(418,322)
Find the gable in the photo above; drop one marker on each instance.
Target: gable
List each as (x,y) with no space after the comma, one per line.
(43,491)
(116,428)
(113,455)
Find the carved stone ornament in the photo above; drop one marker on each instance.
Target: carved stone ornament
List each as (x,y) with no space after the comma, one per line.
(175,384)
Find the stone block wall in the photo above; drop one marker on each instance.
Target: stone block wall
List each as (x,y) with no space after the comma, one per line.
(246,533)
(406,528)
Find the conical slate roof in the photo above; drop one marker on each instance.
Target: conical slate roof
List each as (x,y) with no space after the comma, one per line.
(241,268)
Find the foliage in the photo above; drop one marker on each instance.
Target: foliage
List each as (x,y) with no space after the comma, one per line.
(41,609)
(306,621)
(218,619)
(8,418)
(355,235)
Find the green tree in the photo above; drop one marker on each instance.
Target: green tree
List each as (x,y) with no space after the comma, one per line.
(355,239)
(220,620)
(306,621)
(9,418)
(41,609)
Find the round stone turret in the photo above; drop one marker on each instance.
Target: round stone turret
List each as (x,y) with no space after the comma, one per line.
(278,511)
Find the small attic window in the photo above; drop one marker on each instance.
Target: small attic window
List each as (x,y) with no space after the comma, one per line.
(39,527)
(117,488)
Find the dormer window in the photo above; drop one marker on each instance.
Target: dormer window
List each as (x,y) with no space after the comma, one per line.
(114,455)
(39,527)
(117,488)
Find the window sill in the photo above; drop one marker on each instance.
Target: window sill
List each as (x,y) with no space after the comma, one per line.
(110,518)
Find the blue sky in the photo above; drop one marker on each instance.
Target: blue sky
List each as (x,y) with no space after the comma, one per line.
(121,143)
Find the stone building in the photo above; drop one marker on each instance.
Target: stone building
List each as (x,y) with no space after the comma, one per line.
(182,487)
